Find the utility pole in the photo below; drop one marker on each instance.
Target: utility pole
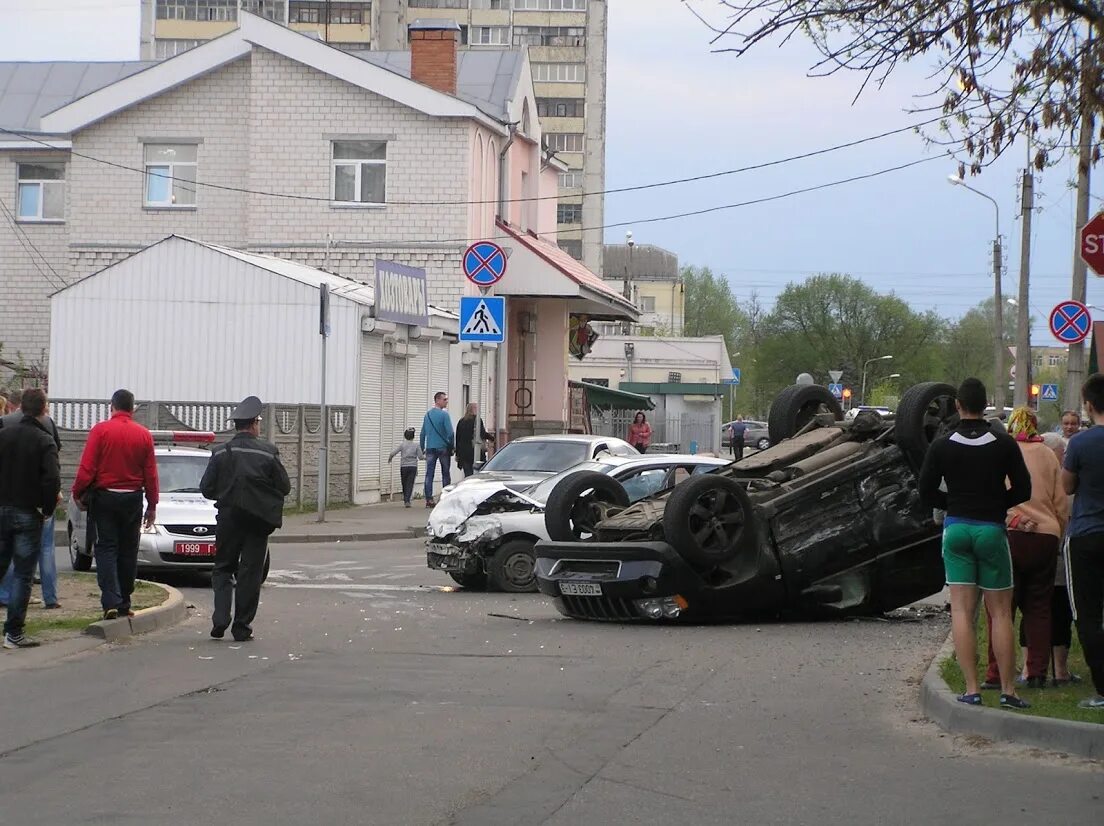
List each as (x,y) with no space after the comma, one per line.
(1022,397)
(1000,385)
(626,326)
(1075,365)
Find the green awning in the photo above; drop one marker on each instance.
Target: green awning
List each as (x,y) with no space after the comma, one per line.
(605,398)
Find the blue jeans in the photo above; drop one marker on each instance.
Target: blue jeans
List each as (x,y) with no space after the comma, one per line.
(118,519)
(20,545)
(433,456)
(47,569)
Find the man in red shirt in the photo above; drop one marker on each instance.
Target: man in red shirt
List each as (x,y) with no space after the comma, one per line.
(116,468)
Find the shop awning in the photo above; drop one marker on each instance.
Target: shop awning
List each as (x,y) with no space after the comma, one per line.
(605,398)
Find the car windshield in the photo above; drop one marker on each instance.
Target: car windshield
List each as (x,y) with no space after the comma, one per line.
(180,474)
(541,457)
(542,491)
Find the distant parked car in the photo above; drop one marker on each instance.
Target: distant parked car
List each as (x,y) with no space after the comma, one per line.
(756,435)
(884,412)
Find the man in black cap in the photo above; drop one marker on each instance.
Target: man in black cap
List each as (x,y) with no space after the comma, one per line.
(248,483)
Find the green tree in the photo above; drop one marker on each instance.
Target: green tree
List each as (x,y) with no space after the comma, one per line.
(710,307)
(968,346)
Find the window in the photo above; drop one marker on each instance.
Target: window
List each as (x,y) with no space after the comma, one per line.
(573,248)
(268,9)
(549,36)
(354,13)
(360,172)
(489,35)
(598,382)
(215,10)
(561,107)
(305,13)
(647,303)
(645,483)
(41,192)
(559,73)
(572,179)
(565,141)
(170,174)
(549,5)
(488,4)
(171,48)
(569,213)
(438,4)
(674,378)
(1054,361)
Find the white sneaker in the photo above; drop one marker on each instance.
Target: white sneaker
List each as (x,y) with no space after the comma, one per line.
(20,642)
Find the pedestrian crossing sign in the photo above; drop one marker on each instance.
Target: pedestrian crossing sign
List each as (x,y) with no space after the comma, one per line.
(1049,393)
(482,318)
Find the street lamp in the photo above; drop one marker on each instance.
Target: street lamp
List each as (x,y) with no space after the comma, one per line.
(867,364)
(998,310)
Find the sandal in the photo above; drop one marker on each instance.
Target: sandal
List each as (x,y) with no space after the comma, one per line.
(969,699)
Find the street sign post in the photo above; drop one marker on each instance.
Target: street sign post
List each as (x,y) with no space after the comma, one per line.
(1049,393)
(735,376)
(1070,322)
(1092,243)
(324,447)
(836,389)
(482,318)
(484,263)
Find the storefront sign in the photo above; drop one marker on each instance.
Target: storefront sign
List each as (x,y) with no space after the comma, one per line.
(401,294)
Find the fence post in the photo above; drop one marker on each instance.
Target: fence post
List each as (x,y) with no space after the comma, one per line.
(302,429)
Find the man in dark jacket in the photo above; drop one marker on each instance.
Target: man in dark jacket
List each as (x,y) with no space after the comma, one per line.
(248,483)
(985,475)
(30,480)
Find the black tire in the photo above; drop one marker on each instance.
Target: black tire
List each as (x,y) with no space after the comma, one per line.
(796,406)
(512,568)
(473,582)
(763,443)
(574,507)
(267,565)
(926,411)
(78,561)
(709,520)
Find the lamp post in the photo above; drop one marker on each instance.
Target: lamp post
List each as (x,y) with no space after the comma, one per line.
(999,393)
(626,326)
(867,364)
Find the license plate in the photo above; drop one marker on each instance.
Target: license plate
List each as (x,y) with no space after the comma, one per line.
(580,589)
(194,548)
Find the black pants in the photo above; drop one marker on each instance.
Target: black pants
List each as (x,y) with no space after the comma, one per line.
(1086,573)
(737,450)
(407,475)
(118,518)
(242,542)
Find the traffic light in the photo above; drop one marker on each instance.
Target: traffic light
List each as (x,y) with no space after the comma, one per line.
(1035,390)
(847,397)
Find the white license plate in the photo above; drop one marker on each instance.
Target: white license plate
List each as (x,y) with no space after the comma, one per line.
(580,589)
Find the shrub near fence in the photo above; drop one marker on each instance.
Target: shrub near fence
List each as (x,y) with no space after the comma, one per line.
(294,428)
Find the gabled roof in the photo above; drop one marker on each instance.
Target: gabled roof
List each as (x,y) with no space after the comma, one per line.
(256,31)
(30,90)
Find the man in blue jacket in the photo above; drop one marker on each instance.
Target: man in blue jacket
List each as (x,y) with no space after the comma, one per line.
(437,442)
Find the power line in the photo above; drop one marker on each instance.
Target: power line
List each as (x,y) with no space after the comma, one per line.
(19,236)
(612,191)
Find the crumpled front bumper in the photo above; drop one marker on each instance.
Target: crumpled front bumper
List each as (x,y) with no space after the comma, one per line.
(453,559)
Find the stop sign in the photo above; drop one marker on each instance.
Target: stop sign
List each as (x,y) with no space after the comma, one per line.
(1092,243)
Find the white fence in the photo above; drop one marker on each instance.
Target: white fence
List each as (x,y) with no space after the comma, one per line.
(670,434)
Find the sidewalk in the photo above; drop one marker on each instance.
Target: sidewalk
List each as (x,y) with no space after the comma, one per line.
(361,523)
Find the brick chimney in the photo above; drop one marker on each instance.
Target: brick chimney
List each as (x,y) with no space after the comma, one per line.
(433,53)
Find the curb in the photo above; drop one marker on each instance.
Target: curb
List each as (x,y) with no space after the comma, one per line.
(168,613)
(940,706)
(323,537)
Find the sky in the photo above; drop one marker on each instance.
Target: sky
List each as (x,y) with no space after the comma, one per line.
(676,108)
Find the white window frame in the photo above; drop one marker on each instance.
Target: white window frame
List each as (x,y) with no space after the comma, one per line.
(572,179)
(647,303)
(40,184)
(559,73)
(489,36)
(550,5)
(358,165)
(172,176)
(554,141)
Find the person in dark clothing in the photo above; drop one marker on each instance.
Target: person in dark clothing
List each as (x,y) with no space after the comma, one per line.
(467,430)
(738,430)
(248,483)
(985,475)
(1083,478)
(30,480)
(117,468)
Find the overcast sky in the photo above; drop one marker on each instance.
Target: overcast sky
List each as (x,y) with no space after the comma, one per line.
(677,109)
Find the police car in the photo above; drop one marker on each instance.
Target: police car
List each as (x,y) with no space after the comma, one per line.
(183,536)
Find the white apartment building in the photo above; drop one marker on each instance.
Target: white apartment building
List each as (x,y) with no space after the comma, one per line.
(566,40)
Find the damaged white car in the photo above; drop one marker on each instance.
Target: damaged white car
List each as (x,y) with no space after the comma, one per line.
(483,532)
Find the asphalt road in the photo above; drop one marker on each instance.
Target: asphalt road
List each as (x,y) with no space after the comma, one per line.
(373,694)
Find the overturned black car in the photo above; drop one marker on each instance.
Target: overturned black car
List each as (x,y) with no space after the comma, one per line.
(826,522)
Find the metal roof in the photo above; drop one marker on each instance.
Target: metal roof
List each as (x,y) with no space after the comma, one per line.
(30,90)
(485,78)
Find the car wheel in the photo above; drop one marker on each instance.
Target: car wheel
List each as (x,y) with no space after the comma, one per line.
(763,443)
(513,567)
(78,561)
(579,502)
(796,406)
(476,582)
(926,411)
(709,519)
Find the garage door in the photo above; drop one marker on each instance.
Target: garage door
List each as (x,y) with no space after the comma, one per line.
(368,413)
(392,393)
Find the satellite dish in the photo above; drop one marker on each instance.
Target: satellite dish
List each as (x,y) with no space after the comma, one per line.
(804,378)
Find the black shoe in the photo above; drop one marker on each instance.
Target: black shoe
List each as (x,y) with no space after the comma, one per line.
(242,636)
(111,613)
(1013,702)
(1035,682)
(217,631)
